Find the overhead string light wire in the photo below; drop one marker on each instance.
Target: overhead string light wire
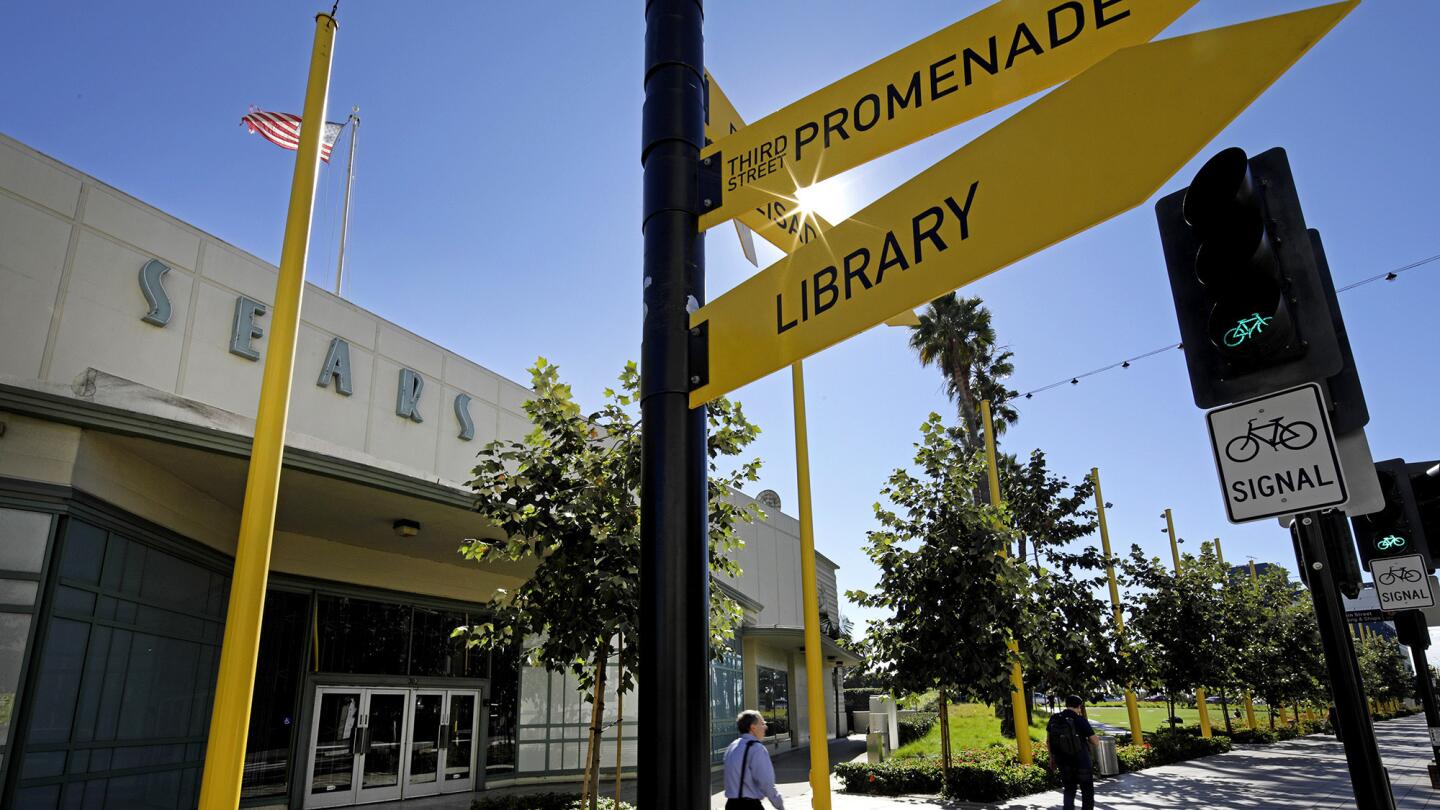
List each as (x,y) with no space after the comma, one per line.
(1075,379)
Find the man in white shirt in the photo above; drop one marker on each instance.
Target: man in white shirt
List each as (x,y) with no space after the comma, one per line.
(749,773)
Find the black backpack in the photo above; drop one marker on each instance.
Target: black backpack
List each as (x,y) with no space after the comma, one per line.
(1064,740)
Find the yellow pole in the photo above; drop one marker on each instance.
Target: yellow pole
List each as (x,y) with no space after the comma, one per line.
(230,717)
(1132,708)
(1018,705)
(814,678)
(1249,701)
(1199,690)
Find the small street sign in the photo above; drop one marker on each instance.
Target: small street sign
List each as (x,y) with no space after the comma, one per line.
(1276,455)
(1094,147)
(1003,53)
(1402,583)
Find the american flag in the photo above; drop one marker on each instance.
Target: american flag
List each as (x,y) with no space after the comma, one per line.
(283,130)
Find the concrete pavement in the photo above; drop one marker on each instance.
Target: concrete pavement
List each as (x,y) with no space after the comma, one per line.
(1305,773)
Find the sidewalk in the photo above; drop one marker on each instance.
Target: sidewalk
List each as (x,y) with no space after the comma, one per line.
(1305,773)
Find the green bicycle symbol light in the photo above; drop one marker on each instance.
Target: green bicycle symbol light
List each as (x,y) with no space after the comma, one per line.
(1246,329)
(1390,541)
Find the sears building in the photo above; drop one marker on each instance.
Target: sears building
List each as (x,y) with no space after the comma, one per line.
(131,348)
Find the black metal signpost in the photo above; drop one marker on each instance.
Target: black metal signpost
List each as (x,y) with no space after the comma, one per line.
(674,760)
(1367,774)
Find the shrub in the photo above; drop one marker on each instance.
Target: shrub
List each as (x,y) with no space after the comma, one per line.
(915,727)
(891,778)
(991,774)
(544,801)
(857,699)
(1134,757)
(1259,736)
(1169,746)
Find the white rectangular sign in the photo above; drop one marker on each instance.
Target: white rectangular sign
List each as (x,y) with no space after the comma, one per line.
(1276,455)
(1401,583)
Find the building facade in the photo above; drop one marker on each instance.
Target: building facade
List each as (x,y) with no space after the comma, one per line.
(131,349)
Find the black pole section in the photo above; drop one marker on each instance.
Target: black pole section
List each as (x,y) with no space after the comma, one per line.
(674,761)
(1367,774)
(1415,633)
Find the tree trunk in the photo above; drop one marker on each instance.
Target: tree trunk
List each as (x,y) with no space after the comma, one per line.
(620,719)
(945,736)
(1225,707)
(591,793)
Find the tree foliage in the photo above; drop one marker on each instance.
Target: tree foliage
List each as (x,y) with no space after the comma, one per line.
(565,499)
(953,597)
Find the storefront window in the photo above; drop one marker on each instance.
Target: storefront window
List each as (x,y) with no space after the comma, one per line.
(360,637)
(727,698)
(504,700)
(24,537)
(125,676)
(774,686)
(277,679)
(435,652)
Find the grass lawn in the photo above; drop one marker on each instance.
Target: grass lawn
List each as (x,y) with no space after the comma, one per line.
(1152,718)
(972,725)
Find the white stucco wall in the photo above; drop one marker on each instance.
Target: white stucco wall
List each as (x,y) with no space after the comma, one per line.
(71,250)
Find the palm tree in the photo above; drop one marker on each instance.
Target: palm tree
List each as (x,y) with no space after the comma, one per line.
(955,335)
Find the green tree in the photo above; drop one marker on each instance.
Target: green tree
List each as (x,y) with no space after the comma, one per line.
(1383,668)
(955,335)
(1283,660)
(953,598)
(564,499)
(1177,618)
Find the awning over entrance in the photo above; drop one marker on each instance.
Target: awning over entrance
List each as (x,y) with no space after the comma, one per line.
(793,638)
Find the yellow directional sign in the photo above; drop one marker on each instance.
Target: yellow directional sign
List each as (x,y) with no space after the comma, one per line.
(1095,147)
(782,223)
(1001,54)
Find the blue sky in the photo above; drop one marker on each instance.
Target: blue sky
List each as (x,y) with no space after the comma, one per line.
(496,211)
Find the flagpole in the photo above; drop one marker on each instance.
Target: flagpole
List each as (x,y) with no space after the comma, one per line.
(235,684)
(345,212)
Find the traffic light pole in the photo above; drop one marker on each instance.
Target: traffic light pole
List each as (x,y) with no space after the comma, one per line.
(1367,774)
(1418,638)
(674,755)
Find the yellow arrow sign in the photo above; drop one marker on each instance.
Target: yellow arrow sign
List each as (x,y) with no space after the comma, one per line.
(783,223)
(1001,54)
(1093,148)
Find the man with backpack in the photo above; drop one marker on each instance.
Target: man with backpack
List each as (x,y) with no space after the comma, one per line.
(1068,738)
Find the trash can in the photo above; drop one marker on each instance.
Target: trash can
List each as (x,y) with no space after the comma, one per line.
(1107,762)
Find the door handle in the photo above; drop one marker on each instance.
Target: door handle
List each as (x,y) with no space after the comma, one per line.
(444,737)
(357,746)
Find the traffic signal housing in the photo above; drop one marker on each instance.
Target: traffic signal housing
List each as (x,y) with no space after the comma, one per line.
(1397,530)
(1252,305)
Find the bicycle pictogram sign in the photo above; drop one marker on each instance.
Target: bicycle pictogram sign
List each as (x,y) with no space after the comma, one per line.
(1296,435)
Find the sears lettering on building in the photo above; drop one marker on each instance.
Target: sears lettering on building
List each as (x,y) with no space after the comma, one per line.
(245,329)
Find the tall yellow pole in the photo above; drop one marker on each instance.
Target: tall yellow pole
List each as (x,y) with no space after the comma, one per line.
(814,678)
(1249,699)
(1200,704)
(1018,704)
(230,718)
(1136,732)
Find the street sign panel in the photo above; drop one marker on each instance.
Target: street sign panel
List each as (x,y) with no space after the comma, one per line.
(1402,583)
(1098,145)
(1276,455)
(782,223)
(1001,54)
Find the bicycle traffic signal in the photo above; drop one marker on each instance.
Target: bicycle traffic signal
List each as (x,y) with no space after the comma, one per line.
(1253,310)
(1397,530)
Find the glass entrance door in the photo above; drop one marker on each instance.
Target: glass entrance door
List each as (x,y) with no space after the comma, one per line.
(460,731)
(381,744)
(423,776)
(335,747)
